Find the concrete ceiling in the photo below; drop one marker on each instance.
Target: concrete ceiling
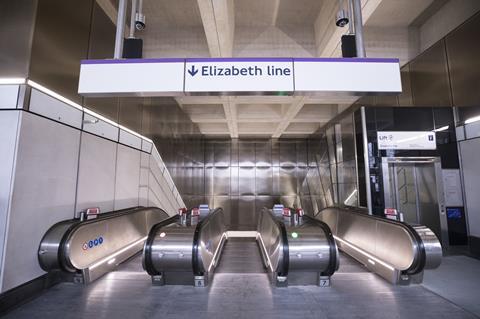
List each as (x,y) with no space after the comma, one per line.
(270,28)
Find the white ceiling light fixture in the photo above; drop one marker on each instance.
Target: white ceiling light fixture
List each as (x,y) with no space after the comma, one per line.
(53,94)
(472,119)
(441,129)
(12,81)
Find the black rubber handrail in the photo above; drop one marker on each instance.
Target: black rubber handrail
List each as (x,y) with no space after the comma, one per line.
(196,267)
(332,264)
(101,217)
(420,258)
(147,248)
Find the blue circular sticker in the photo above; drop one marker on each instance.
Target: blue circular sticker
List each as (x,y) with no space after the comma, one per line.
(90,243)
(95,242)
(100,240)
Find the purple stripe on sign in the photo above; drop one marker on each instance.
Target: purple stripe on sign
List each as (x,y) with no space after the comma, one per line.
(120,61)
(193,60)
(365,60)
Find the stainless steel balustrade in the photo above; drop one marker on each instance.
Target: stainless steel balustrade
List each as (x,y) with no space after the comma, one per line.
(88,249)
(296,253)
(185,253)
(394,250)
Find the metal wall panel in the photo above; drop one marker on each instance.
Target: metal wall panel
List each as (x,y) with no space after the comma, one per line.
(246,213)
(301,151)
(127,177)
(264,181)
(44,185)
(221,154)
(246,181)
(57,51)
(130,112)
(234,180)
(224,202)
(96,177)
(246,153)
(263,154)
(288,181)
(429,77)
(288,153)
(463,51)
(221,181)
(405,98)
(17,19)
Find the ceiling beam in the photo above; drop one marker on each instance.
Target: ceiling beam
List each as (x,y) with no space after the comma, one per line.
(291,113)
(230,110)
(218,20)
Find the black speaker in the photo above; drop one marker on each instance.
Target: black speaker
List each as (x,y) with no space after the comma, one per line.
(132,48)
(349,48)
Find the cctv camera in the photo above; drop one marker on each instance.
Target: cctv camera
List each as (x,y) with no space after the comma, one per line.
(342,18)
(139,21)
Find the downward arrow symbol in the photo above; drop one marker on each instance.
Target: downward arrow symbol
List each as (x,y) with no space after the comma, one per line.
(193,71)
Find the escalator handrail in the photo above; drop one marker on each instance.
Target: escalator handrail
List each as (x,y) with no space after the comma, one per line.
(332,264)
(147,248)
(196,267)
(420,258)
(285,263)
(101,217)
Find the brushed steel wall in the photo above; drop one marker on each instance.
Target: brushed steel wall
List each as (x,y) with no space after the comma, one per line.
(17,20)
(243,176)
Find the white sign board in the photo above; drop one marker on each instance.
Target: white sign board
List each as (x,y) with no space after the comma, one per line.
(239,75)
(147,77)
(406,140)
(347,75)
(171,77)
(452,187)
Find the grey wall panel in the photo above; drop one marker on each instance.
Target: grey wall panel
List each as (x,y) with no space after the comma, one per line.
(221,177)
(263,201)
(9,122)
(470,153)
(44,185)
(47,106)
(57,51)
(17,19)
(264,181)
(246,153)
(9,96)
(96,178)
(429,77)
(275,152)
(102,37)
(246,181)
(463,52)
(127,177)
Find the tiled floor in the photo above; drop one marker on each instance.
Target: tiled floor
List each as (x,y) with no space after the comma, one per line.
(355,293)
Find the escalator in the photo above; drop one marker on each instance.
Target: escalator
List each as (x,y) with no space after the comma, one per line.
(84,250)
(186,252)
(394,250)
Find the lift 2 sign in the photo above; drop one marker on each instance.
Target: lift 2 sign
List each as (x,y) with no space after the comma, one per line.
(406,140)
